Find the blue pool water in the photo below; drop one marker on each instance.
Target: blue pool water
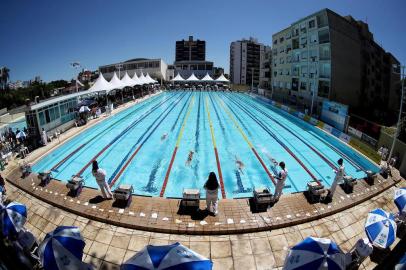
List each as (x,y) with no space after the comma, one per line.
(148,146)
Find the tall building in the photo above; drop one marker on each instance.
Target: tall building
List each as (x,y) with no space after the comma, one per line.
(190,57)
(335,58)
(190,50)
(247,58)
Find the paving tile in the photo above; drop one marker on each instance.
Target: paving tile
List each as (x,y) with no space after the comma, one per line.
(280,257)
(109,266)
(278,242)
(293,238)
(265,261)
(260,246)
(115,255)
(308,232)
(203,248)
(98,250)
(158,241)
(120,241)
(223,263)
(104,236)
(93,261)
(245,262)
(220,249)
(138,242)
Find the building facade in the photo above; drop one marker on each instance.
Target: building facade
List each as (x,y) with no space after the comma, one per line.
(190,57)
(247,58)
(328,56)
(156,68)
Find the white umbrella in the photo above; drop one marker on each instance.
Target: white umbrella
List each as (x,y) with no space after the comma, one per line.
(21,134)
(84,109)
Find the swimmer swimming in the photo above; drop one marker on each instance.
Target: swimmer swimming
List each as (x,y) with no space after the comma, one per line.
(189,158)
(163,137)
(240,165)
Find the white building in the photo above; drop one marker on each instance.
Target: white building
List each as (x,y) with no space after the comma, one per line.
(156,68)
(247,59)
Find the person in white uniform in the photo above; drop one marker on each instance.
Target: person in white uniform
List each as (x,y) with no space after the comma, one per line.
(44,137)
(340,173)
(281,178)
(212,187)
(100,176)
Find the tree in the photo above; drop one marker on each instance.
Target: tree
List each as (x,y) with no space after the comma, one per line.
(4,76)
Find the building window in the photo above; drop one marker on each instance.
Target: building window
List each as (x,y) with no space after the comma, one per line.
(313,72)
(295,84)
(313,55)
(313,38)
(312,24)
(288,36)
(288,85)
(288,59)
(324,52)
(280,71)
(295,43)
(295,31)
(287,71)
(281,60)
(281,39)
(295,70)
(288,48)
(324,89)
(325,70)
(275,42)
(296,57)
(303,42)
(303,71)
(322,20)
(303,28)
(324,36)
(303,86)
(303,55)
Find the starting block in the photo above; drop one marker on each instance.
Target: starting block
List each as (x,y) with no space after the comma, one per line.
(315,191)
(123,193)
(349,183)
(45,177)
(262,198)
(190,198)
(26,169)
(75,185)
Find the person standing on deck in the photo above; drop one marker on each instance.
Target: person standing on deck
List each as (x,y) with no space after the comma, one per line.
(100,176)
(281,178)
(212,187)
(340,173)
(44,137)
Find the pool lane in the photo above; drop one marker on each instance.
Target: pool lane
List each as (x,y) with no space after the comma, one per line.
(314,138)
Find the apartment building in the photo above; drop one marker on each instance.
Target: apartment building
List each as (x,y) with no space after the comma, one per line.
(247,58)
(328,56)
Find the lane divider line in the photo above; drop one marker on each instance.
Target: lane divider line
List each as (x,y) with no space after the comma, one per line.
(247,141)
(168,171)
(143,142)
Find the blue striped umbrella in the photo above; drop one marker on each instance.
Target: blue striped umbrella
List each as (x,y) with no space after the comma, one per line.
(315,253)
(400,199)
(62,249)
(401,265)
(169,257)
(380,228)
(12,218)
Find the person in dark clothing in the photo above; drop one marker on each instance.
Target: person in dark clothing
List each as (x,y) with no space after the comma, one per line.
(212,186)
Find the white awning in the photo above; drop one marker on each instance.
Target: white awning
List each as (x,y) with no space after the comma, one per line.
(116,83)
(178,78)
(100,85)
(207,78)
(149,79)
(222,79)
(192,78)
(135,79)
(142,79)
(126,80)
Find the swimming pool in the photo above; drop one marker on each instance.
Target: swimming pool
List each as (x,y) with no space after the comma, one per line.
(173,140)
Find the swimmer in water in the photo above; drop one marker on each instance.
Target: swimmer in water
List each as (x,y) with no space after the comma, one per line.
(189,158)
(163,137)
(240,165)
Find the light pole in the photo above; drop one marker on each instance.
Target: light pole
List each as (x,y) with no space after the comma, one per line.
(311,107)
(76,65)
(402,78)
(119,67)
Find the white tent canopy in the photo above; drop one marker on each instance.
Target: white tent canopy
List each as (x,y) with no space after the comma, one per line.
(222,79)
(178,78)
(207,78)
(126,80)
(142,79)
(149,79)
(116,83)
(135,79)
(192,78)
(100,85)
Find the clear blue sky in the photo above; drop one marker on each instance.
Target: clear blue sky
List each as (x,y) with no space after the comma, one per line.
(43,37)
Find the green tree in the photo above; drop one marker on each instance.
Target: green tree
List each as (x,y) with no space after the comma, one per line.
(4,77)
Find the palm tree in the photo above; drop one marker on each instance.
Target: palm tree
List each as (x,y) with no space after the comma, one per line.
(4,76)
